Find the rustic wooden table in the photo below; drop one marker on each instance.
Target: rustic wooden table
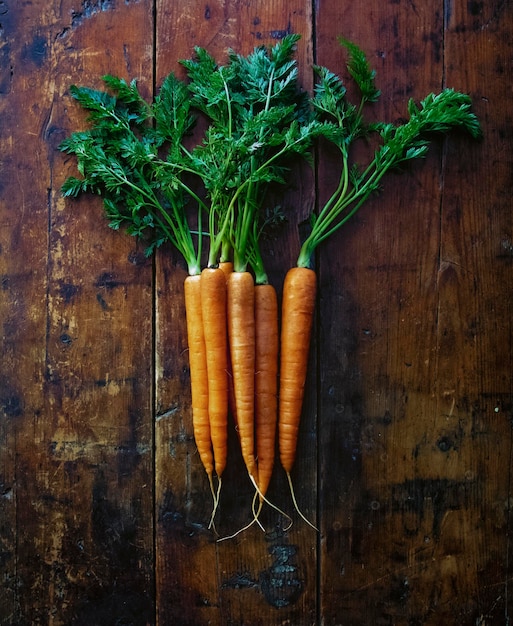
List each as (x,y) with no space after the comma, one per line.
(406,441)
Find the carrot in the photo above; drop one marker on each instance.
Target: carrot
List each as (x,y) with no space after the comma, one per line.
(266,381)
(198,369)
(213,305)
(199,378)
(298,305)
(241,333)
(227,269)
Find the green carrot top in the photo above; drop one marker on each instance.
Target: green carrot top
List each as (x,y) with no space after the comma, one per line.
(436,114)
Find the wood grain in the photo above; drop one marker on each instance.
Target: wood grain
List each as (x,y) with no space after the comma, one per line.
(409,345)
(77,384)
(405,445)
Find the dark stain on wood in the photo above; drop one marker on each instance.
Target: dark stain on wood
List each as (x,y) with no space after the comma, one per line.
(67,291)
(112,531)
(36,51)
(106,606)
(11,405)
(102,302)
(273,34)
(115,529)
(280,33)
(445,444)
(281,583)
(175,522)
(138,258)
(239,581)
(108,280)
(475,8)
(414,496)
(90,8)
(66,339)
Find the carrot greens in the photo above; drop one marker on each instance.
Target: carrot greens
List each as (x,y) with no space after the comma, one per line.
(133,157)
(436,114)
(258,119)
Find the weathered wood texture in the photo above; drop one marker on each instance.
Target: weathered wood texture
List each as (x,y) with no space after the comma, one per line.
(405,446)
(76,380)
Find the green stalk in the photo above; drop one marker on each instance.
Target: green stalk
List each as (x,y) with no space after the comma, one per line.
(255,258)
(181,235)
(246,216)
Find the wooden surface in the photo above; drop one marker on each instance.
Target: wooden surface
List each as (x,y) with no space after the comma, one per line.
(406,440)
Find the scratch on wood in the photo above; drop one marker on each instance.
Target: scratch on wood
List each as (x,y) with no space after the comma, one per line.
(169,413)
(65,448)
(126,56)
(239,581)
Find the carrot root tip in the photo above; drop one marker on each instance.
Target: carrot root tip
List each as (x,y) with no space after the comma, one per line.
(241,530)
(263,499)
(293,495)
(215,497)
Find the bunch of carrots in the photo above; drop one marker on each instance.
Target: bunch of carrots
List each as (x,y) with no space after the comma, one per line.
(207,201)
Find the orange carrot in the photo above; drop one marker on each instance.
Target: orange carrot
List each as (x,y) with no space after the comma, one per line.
(241,333)
(213,305)
(227,268)
(297,315)
(266,381)
(198,372)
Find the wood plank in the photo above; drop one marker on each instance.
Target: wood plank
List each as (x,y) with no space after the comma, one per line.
(80,382)
(476,288)
(24,226)
(247,579)
(394,523)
